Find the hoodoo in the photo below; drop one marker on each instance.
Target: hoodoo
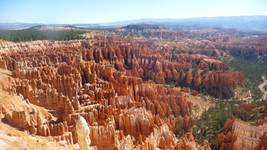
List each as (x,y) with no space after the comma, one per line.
(83,133)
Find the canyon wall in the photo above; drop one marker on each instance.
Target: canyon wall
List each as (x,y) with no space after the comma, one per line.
(117,85)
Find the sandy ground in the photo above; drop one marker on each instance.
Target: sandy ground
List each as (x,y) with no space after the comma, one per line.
(11,138)
(199,105)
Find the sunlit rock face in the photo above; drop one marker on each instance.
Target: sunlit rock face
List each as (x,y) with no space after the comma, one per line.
(116,85)
(83,134)
(239,135)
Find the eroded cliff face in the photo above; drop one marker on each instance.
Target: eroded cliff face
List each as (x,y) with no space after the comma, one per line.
(116,85)
(239,135)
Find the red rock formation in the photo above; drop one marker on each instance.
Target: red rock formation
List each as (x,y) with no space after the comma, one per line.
(107,83)
(188,143)
(241,135)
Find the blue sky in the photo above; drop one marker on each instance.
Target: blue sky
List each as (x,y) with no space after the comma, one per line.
(102,11)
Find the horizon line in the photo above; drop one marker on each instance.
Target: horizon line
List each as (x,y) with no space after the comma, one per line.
(140,19)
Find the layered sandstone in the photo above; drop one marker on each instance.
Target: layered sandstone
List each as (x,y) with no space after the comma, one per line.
(239,135)
(116,85)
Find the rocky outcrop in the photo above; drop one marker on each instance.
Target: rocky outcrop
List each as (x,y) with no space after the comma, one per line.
(83,133)
(241,135)
(187,142)
(118,86)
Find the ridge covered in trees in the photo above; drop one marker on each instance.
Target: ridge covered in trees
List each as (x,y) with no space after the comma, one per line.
(32,34)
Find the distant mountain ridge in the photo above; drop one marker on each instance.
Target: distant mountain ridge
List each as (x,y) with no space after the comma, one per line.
(142,26)
(54,27)
(242,23)
(17,26)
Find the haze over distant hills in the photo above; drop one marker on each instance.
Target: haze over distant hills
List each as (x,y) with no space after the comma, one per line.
(242,23)
(54,27)
(17,26)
